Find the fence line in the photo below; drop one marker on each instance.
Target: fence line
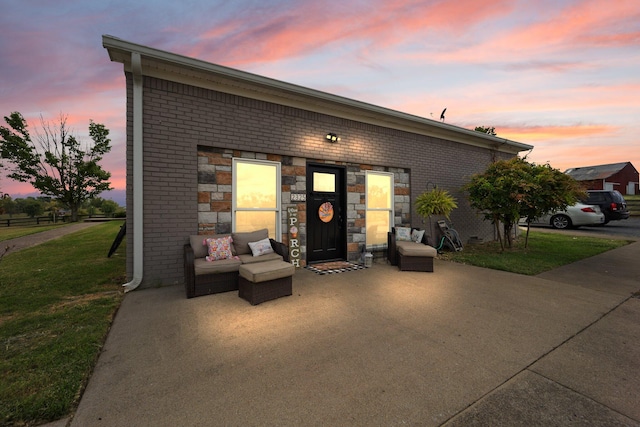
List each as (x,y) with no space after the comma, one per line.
(8,222)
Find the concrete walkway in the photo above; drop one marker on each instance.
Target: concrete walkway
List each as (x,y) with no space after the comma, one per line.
(378,347)
(35,239)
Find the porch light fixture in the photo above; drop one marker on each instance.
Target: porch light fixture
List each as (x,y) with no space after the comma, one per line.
(332,137)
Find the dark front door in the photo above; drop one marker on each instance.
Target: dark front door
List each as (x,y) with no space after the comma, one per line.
(326,213)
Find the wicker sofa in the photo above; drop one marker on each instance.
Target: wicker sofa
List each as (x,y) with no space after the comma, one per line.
(202,277)
(413,254)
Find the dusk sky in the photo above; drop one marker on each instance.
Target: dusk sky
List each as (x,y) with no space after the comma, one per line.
(563,76)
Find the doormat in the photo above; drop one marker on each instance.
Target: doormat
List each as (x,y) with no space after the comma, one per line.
(334,267)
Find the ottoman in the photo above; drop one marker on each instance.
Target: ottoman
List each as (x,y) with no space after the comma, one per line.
(416,257)
(263,281)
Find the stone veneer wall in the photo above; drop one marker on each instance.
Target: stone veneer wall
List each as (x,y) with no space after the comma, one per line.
(215,194)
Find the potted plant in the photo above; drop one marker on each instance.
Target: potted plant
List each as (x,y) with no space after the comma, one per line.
(435,202)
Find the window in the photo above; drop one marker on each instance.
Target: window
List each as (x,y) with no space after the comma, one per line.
(379,215)
(324,182)
(256,196)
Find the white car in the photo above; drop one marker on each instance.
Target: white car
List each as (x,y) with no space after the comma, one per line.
(574,216)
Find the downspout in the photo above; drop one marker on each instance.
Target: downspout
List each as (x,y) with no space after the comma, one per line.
(138,199)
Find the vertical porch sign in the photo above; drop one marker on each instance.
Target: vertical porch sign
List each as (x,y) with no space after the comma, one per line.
(294,236)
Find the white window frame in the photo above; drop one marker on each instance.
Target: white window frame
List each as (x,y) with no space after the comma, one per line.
(278,208)
(391,209)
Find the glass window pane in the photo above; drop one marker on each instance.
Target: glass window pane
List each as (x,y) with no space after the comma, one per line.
(324,182)
(256,185)
(377,227)
(378,191)
(256,220)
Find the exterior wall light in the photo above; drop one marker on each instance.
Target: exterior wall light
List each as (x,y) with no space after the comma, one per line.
(332,137)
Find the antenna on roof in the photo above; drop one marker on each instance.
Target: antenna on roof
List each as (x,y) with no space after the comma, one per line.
(442,114)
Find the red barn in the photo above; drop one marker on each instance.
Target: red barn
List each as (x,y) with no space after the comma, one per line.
(617,176)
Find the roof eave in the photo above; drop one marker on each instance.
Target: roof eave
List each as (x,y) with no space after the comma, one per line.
(158,63)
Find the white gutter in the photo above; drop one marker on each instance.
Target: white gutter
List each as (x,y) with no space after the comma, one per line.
(138,219)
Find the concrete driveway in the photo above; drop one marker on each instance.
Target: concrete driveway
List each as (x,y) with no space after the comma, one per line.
(460,346)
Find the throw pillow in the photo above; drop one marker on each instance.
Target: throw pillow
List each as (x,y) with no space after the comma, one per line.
(241,240)
(417,235)
(219,248)
(403,234)
(261,247)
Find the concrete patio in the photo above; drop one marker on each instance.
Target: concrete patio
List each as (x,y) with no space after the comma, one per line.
(460,346)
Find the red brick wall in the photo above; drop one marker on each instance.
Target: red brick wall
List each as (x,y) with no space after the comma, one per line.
(179,118)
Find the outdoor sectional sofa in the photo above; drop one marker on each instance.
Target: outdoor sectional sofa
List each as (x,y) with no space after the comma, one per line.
(203,277)
(408,248)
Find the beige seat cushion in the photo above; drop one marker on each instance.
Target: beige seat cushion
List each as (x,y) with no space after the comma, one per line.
(202,266)
(258,272)
(250,259)
(416,249)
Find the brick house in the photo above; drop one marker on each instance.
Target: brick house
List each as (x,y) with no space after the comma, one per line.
(212,150)
(617,176)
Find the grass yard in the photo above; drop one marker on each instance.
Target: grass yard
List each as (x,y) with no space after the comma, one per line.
(545,251)
(57,302)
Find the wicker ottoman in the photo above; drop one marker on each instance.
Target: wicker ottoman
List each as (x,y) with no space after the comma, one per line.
(416,257)
(263,281)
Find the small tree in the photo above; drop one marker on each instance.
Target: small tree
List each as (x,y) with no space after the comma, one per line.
(550,191)
(515,188)
(56,164)
(497,193)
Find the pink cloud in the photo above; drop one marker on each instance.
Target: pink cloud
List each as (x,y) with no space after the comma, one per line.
(311,26)
(329,44)
(567,156)
(538,133)
(581,25)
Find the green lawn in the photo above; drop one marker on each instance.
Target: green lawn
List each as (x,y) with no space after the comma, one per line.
(545,251)
(57,301)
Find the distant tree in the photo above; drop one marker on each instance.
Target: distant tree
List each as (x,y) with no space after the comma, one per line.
(56,164)
(7,205)
(109,207)
(96,202)
(52,207)
(486,129)
(31,206)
